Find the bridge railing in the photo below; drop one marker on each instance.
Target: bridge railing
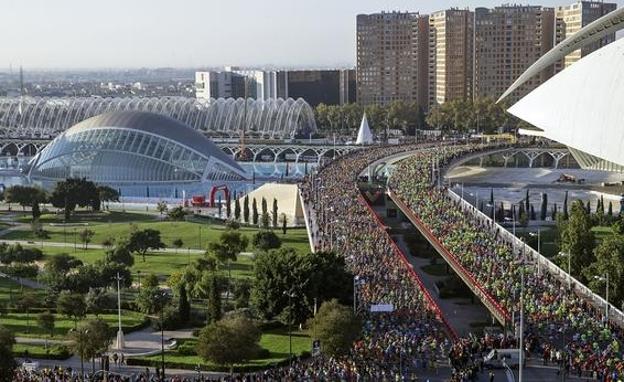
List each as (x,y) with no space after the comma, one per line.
(616,316)
(500,313)
(410,268)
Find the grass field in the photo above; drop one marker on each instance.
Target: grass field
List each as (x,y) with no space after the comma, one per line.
(193,234)
(41,352)
(275,341)
(23,326)
(160,263)
(10,289)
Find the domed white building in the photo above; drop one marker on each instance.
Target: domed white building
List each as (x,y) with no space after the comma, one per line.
(134,147)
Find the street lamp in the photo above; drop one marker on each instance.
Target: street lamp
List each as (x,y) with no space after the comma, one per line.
(606,279)
(120,336)
(539,239)
(139,276)
(81,337)
(569,255)
(290,296)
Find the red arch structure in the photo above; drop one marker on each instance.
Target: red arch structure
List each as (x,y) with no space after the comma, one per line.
(215,189)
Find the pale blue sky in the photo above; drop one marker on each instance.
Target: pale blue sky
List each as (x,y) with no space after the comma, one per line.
(192,33)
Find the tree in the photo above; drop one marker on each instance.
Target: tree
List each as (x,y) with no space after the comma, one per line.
(229,341)
(141,241)
(610,211)
(45,321)
(85,236)
(176,213)
(81,344)
(254,213)
(554,212)
(177,244)
(107,194)
(120,254)
(230,244)
(274,213)
(151,299)
(98,300)
(61,263)
(577,238)
(265,240)
(242,293)
(565,206)
(336,327)
(246,209)
(26,196)
(544,206)
(237,209)
(7,362)
(72,305)
(527,203)
(25,303)
(320,276)
(184,308)
(284,220)
(161,207)
(228,206)
(609,260)
(99,338)
(74,192)
(213,295)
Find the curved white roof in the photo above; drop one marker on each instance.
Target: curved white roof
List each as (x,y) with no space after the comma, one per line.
(583,105)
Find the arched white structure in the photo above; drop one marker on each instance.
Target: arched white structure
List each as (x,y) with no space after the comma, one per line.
(46,117)
(582,107)
(594,31)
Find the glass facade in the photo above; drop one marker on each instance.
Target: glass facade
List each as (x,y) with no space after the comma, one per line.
(118,155)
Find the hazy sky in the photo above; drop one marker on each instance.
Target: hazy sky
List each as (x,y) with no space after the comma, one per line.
(192,33)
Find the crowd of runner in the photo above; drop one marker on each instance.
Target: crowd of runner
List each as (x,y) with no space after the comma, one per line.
(556,318)
(411,335)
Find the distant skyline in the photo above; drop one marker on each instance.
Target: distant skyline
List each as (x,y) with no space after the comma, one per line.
(112,34)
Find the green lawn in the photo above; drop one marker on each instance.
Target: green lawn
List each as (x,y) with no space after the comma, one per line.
(41,352)
(23,326)
(193,234)
(9,290)
(275,341)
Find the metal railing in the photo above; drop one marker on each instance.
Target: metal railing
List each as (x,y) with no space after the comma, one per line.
(615,315)
(501,315)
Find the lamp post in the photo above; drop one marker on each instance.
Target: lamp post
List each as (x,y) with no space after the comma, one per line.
(120,336)
(569,255)
(606,279)
(290,296)
(139,276)
(539,239)
(81,335)
(162,334)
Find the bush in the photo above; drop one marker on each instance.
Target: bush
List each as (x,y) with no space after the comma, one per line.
(187,348)
(22,270)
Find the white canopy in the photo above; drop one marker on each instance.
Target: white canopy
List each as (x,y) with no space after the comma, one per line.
(364,137)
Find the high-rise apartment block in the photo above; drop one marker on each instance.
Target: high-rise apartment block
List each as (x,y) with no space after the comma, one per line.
(571,18)
(392,57)
(450,55)
(508,39)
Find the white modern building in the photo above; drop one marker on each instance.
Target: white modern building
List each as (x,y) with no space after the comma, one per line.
(236,83)
(582,105)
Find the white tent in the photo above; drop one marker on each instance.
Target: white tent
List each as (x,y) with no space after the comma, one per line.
(364,137)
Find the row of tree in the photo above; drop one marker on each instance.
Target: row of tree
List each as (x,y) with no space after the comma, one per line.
(345,119)
(67,195)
